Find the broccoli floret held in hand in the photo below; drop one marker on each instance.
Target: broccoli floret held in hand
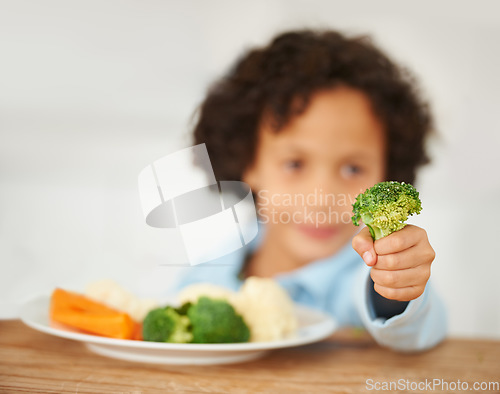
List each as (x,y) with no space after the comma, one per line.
(166,325)
(385,207)
(216,321)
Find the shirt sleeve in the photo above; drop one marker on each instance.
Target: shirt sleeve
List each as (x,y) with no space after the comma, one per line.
(420,326)
(384,307)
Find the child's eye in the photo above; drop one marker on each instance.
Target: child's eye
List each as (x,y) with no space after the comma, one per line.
(349,171)
(294,165)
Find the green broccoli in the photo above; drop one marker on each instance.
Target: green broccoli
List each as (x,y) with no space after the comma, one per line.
(182,310)
(385,207)
(216,321)
(166,325)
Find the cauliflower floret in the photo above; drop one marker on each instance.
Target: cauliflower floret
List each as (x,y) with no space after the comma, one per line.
(267,309)
(115,296)
(192,292)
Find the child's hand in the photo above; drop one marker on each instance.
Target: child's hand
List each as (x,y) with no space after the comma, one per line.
(401,262)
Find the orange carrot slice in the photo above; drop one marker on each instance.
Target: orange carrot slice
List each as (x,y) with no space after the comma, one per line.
(64,299)
(81,312)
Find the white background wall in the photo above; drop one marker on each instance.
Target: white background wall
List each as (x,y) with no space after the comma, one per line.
(93,91)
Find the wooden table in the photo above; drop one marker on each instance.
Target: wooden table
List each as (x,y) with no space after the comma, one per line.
(33,362)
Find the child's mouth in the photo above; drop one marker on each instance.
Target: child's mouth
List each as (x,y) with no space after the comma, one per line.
(318,232)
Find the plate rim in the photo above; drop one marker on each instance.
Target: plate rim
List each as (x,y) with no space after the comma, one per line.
(328,326)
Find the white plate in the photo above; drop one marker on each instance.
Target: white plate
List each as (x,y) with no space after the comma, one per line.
(313,326)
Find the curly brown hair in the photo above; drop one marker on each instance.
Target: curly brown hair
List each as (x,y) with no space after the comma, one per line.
(290,69)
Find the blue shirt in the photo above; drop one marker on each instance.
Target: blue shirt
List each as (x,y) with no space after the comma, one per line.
(341,286)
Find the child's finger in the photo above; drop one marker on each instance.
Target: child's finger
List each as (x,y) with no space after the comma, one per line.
(403,294)
(406,259)
(363,245)
(399,240)
(401,278)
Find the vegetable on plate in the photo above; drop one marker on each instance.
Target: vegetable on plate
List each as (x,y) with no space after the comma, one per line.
(81,312)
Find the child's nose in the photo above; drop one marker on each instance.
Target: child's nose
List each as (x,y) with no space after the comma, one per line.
(324,186)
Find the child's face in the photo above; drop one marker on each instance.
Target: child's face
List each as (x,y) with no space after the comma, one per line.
(307,175)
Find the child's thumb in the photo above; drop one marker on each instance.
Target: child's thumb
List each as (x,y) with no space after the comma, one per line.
(363,245)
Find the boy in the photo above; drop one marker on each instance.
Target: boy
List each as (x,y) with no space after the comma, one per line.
(308,122)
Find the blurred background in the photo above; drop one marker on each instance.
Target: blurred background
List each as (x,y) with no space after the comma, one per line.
(91,92)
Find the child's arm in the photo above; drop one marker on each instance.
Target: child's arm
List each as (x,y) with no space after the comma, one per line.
(400,269)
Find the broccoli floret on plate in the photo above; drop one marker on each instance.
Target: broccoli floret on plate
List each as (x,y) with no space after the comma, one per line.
(166,325)
(182,310)
(216,321)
